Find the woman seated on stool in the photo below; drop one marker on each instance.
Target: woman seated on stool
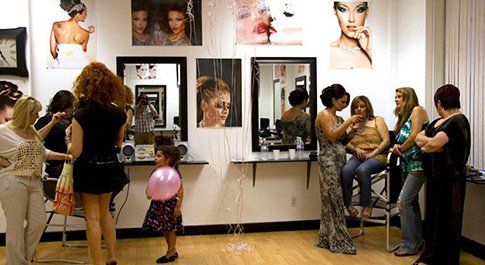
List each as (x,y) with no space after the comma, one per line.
(368,146)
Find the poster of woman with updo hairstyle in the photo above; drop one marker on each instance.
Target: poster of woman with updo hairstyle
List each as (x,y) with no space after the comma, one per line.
(72,35)
(218,93)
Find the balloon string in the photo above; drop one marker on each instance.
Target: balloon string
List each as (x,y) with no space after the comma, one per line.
(226,174)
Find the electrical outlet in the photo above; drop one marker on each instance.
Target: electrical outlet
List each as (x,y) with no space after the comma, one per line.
(293,201)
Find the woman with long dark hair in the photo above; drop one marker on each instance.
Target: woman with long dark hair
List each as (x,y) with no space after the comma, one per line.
(63,101)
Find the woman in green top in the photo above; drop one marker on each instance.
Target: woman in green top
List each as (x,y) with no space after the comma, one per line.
(410,120)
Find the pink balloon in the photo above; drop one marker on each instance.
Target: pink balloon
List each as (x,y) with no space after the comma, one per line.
(164,183)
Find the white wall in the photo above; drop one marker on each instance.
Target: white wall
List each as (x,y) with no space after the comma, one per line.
(215,193)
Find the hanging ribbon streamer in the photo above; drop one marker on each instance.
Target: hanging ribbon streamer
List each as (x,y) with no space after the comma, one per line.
(227,176)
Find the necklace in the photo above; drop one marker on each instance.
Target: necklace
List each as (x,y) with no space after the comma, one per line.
(349,50)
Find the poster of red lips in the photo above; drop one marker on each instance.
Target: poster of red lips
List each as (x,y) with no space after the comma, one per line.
(268,22)
(353,48)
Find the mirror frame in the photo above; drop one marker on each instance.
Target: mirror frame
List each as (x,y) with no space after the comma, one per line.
(255,61)
(182,61)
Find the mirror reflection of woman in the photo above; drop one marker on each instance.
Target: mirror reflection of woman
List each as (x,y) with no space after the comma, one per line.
(139,23)
(295,122)
(353,48)
(177,18)
(214,96)
(69,41)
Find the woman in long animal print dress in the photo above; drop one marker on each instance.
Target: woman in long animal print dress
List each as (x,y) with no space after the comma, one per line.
(330,130)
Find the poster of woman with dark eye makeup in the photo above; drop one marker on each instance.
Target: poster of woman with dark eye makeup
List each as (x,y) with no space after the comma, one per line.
(273,22)
(353,48)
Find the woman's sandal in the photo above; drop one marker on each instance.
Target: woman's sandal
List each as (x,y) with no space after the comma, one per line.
(165,259)
(352,212)
(366,213)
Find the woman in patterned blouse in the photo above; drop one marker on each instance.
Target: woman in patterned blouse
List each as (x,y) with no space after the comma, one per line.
(370,139)
(21,190)
(410,120)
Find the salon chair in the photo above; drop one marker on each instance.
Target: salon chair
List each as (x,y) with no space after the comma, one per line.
(385,188)
(49,194)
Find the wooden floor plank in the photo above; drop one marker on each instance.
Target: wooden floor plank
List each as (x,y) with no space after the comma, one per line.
(279,248)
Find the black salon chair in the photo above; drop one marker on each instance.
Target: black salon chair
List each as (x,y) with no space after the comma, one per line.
(279,128)
(49,194)
(264,131)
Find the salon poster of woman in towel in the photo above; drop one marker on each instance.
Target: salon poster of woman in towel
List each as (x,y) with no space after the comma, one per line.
(72,34)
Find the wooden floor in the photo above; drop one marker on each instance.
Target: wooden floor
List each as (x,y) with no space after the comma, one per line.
(294,247)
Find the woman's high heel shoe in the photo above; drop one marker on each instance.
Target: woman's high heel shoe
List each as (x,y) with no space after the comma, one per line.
(352,212)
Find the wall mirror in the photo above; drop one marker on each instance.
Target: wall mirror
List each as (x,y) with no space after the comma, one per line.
(163,83)
(277,119)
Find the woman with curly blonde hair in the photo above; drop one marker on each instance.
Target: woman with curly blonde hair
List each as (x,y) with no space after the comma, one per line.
(21,190)
(97,130)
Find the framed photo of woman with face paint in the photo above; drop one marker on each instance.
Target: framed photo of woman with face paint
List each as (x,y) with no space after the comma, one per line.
(219,93)
(353,48)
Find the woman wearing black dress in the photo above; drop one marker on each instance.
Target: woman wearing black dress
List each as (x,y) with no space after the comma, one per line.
(63,101)
(446,145)
(97,130)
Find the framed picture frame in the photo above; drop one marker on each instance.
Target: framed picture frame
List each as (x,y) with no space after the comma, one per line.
(300,82)
(156,95)
(269,101)
(12,52)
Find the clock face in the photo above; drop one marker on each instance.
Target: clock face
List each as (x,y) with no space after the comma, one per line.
(8,52)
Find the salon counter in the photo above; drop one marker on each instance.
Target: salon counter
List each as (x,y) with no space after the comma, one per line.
(283,157)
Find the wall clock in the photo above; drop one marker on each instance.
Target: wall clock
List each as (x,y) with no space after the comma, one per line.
(12,52)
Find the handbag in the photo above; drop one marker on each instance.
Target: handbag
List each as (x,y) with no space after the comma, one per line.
(65,199)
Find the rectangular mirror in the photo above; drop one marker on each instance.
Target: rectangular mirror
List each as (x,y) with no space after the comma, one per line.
(278,119)
(162,82)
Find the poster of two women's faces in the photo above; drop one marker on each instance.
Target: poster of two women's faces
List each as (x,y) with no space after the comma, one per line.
(166,22)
